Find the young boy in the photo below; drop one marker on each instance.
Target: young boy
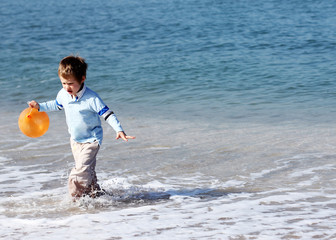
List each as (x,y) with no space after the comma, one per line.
(83,109)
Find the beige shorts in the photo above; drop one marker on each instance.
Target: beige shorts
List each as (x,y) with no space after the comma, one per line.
(83,179)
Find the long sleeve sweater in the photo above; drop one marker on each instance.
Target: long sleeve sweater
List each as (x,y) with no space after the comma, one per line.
(83,114)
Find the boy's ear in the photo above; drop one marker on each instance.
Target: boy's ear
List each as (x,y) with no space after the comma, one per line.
(83,79)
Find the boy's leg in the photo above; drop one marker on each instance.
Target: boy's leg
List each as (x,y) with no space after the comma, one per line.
(83,179)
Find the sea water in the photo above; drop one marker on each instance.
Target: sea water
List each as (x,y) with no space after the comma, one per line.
(232,104)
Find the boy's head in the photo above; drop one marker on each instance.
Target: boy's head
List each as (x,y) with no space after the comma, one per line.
(73,66)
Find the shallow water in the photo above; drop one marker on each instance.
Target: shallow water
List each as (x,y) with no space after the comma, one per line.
(253,181)
(232,104)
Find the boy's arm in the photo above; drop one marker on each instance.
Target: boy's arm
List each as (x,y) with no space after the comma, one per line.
(46,106)
(112,120)
(50,106)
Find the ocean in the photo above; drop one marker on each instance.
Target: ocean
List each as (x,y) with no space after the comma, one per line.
(231,102)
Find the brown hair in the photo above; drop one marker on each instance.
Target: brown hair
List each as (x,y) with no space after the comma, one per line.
(72,66)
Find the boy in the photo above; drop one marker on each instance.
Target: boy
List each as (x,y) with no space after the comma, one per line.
(83,109)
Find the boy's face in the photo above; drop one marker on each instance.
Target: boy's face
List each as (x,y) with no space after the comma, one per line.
(71,85)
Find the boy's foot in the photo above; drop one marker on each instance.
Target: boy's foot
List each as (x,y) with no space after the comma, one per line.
(100,193)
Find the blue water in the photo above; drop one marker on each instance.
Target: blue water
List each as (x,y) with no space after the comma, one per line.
(263,60)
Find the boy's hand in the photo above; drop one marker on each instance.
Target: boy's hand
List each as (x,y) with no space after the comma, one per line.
(124,136)
(34,104)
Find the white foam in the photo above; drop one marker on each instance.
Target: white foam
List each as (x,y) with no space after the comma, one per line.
(189,213)
(232,216)
(312,171)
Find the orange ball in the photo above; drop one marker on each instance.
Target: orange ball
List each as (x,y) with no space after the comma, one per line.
(33,123)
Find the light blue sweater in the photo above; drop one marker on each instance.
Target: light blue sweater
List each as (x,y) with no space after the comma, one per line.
(83,114)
